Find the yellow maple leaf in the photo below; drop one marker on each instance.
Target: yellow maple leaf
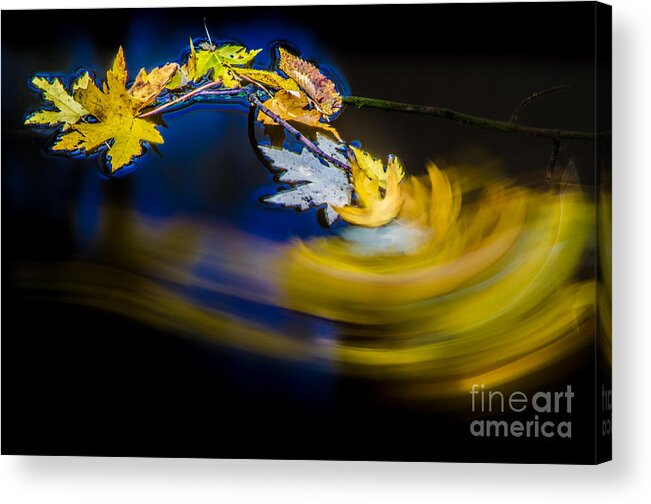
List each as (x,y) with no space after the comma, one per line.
(373,208)
(82,82)
(115,109)
(293,106)
(68,111)
(310,79)
(374,168)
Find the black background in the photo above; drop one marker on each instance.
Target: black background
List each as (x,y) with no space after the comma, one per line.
(80,382)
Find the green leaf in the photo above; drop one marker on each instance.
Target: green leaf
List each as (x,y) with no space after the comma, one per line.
(236,54)
(219,62)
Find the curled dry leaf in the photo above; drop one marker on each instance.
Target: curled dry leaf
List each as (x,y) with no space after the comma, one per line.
(310,79)
(148,86)
(374,168)
(374,209)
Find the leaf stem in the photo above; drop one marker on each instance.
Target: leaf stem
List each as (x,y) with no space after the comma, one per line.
(297,134)
(471,120)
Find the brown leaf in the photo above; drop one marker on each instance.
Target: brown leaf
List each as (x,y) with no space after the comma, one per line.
(148,86)
(317,86)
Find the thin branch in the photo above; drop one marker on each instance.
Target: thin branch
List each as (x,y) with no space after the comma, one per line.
(552,160)
(297,134)
(225,92)
(255,83)
(534,96)
(468,119)
(360,102)
(184,97)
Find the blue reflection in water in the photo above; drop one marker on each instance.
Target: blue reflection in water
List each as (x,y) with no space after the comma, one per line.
(208,170)
(88,210)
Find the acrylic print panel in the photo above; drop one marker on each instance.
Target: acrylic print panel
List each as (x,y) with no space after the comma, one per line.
(257,248)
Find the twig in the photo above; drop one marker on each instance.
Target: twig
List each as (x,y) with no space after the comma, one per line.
(468,119)
(299,136)
(534,96)
(225,92)
(183,98)
(255,83)
(552,160)
(444,113)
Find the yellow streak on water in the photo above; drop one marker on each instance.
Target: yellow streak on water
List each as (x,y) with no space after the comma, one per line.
(479,286)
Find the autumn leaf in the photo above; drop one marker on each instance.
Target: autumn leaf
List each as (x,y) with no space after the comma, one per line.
(126,145)
(184,73)
(68,111)
(208,61)
(82,82)
(233,54)
(374,168)
(374,209)
(148,86)
(293,106)
(315,182)
(267,78)
(310,79)
(116,110)
(220,62)
(179,79)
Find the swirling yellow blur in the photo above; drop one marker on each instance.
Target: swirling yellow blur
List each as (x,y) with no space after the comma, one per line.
(604,289)
(471,283)
(490,293)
